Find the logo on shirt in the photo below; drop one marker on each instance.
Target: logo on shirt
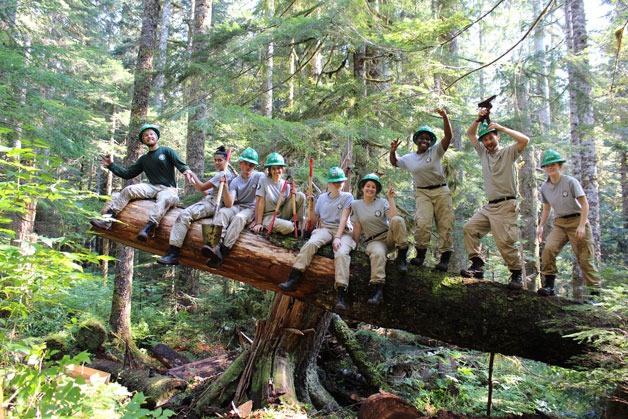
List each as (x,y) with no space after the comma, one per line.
(565,194)
(378,213)
(339,206)
(162,157)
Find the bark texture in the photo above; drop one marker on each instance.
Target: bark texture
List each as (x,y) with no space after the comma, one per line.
(480,315)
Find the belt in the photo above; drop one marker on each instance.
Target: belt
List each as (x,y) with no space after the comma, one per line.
(431,186)
(577,214)
(375,236)
(495,201)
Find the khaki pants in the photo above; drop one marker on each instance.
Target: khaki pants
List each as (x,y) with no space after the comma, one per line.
(342,259)
(378,250)
(501,220)
(201,209)
(434,204)
(165,198)
(233,220)
(565,230)
(284,223)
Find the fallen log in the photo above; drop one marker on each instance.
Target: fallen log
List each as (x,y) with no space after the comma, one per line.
(480,315)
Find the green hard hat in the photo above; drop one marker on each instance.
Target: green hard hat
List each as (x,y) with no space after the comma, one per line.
(424,128)
(275,159)
(336,174)
(551,156)
(373,177)
(483,130)
(249,155)
(148,126)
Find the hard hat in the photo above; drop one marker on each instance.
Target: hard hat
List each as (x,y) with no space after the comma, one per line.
(424,128)
(372,177)
(483,130)
(148,126)
(249,155)
(275,159)
(551,156)
(336,174)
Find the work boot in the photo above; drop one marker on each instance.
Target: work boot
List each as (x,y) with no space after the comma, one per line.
(146,231)
(106,222)
(400,261)
(548,288)
(292,282)
(443,264)
(217,255)
(516,281)
(419,258)
(594,295)
(172,257)
(476,270)
(378,297)
(340,302)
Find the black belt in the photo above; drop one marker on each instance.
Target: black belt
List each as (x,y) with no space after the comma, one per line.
(577,214)
(496,201)
(431,186)
(375,236)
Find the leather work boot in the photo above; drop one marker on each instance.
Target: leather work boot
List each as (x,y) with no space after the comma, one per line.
(419,258)
(443,264)
(146,231)
(106,222)
(172,257)
(476,270)
(548,288)
(378,297)
(340,302)
(292,282)
(400,261)
(217,255)
(516,281)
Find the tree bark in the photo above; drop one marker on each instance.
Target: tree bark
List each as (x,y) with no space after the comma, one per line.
(480,315)
(120,318)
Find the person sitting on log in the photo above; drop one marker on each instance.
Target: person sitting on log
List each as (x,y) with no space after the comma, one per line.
(499,215)
(383,228)
(203,209)
(158,164)
(275,210)
(565,196)
(238,210)
(431,193)
(331,214)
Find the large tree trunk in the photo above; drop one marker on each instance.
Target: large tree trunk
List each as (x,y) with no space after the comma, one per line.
(120,318)
(581,117)
(481,315)
(267,57)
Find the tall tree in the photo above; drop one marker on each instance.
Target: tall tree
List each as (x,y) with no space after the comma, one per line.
(120,317)
(581,115)
(269,64)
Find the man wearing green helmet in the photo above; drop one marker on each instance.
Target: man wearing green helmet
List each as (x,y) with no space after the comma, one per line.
(331,213)
(431,193)
(499,216)
(383,228)
(273,189)
(565,196)
(238,210)
(158,164)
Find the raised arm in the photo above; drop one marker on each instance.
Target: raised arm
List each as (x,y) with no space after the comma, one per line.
(446,141)
(392,157)
(521,139)
(472,131)
(391,202)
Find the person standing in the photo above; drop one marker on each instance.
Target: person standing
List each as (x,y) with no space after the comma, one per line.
(431,193)
(272,187)
(202,209)
(383,228)
(331,214)
(158,164)
(238,210)
(564,195)
(499,216)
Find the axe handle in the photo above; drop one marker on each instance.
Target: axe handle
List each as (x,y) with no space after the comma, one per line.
(279,200)
(310,208)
